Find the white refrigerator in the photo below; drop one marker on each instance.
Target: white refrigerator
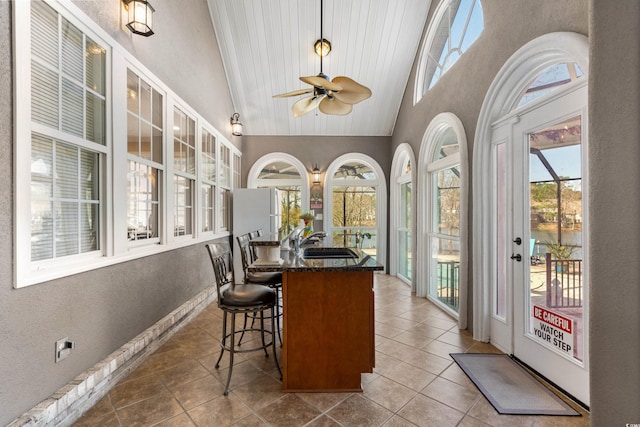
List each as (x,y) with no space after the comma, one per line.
(253,209)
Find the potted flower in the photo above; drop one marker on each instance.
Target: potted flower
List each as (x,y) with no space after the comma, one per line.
(559,252)
(307,217)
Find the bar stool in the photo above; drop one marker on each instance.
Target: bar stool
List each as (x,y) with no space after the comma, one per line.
(270,279)
(240,299)
(253,235)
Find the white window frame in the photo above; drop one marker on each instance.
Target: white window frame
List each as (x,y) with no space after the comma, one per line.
(210,182)
(28,272)
(379,183)
(426,168)
(501,98)
(122,136)
(402,155)
(425,50)
(114,247)
(254,182)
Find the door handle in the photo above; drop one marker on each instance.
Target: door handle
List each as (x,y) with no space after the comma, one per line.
(517,257)
(518,241)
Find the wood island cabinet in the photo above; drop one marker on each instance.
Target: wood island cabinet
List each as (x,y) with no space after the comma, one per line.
(328,330)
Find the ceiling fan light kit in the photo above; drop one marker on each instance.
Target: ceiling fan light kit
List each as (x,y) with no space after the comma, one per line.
(335,97)
(322,47)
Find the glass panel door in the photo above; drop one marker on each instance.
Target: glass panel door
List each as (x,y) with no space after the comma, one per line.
(550,320)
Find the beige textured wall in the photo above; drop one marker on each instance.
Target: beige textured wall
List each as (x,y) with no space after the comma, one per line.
(614,159)
(102,309)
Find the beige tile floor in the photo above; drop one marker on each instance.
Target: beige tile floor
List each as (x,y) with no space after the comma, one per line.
(415,381)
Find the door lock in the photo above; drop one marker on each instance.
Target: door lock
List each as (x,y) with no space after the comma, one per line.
(517,257)
(518,241)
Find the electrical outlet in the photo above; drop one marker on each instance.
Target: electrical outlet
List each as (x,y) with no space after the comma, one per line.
(63,348)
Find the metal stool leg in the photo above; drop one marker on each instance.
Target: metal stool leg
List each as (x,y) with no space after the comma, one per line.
(244,326)
(231,352)
(223,341)
(273,340)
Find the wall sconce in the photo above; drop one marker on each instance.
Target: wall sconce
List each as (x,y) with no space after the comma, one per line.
(139,17)
(322,47)
(236,126)
(316,174)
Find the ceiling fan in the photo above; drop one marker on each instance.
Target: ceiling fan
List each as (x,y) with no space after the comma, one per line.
(335,96)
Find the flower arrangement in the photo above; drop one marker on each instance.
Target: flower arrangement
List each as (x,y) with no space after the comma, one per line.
(307,216)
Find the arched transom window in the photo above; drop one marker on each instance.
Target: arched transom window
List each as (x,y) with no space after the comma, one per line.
(456,24)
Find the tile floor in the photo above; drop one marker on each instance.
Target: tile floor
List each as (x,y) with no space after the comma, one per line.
(415,382)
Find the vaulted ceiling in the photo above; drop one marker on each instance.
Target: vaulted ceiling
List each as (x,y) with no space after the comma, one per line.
(267,45)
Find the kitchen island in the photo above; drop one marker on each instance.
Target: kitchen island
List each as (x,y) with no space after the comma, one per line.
(328,319)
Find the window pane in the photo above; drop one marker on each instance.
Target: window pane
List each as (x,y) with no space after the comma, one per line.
(354,170)
(72,108)
(66,231)
(447,144)
(279,170)
(156,145)
(95,63)
(145,140)
(354,206)
(142,204)
(184,142)
(549,80)
(183,206)
(89,227)
(41,196)
(95,120)
(225,211)
(72,51)
(133,100)
(157,109)
(447,209)
(208,207)
(291,206)
(66,178)
(44,33)
(44,95)
(444,277)
(145,101)
(225,163)
(208,164)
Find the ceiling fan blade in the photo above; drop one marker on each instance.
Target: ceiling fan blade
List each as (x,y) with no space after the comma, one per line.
(293,93)
(335,107)
(352,92)
(305,105)
(318,81)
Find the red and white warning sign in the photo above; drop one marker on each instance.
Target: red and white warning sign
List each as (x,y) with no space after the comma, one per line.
(553,329)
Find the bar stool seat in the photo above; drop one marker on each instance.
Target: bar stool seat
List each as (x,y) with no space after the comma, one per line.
(245,300)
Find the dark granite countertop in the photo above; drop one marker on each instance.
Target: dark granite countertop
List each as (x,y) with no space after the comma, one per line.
(297,262)
(266,240)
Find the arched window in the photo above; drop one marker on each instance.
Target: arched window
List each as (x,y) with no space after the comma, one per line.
(456,24)
(442,228)
(287,174)
(356,206)
(402,171)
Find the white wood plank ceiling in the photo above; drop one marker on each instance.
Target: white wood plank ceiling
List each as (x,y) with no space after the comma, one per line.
(267,45)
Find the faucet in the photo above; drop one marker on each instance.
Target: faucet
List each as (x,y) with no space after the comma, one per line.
(314,237)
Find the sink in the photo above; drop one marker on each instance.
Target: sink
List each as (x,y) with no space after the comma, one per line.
(328,252)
